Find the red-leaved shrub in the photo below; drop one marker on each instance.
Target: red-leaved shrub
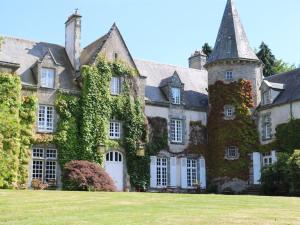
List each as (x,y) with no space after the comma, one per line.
(86,176)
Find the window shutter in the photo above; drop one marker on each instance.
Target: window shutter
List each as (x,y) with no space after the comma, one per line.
(153,171)
(173,175)
(183,173)
(202,173)
(274,157)
(256,167)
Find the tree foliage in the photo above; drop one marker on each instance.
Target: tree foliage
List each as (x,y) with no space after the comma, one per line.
(207,49)
(281,67)
(266,56)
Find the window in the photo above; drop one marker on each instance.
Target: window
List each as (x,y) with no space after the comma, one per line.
(115,56)
(114,130)
(44,164)
(175,96)
(176,131)
(161,171)
(266,127)
(115,86)
(232,153)
(267,97)
(266,159)
(191,172)
(113,156)
(47,78)
(229,111)
(46,117)
(228,75)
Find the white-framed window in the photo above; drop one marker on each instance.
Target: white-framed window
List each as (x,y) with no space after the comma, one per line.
(113,156)
(191,168)
(267,97)
(45,118)
(266,127)
(115,86)
(161,172)
(175,95)
(232,152)
(176,131)
(229,111)
(114,130)
(267,159)
(47,77)
(229,75)
(44,164)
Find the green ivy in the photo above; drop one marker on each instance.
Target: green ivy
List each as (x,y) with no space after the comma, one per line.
(17,118)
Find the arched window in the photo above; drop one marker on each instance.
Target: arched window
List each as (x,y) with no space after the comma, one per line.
(113,156)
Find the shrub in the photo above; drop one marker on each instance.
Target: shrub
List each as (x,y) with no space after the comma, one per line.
(86,176)
(37,184)
(294,173)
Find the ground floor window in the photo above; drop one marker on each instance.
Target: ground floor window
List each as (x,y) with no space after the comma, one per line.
(161,172)
(191,172)
(44,165)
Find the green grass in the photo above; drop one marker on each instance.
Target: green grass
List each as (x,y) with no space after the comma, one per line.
(58,207)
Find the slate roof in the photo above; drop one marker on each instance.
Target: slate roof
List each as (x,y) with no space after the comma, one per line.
(26,53)
(291,82)
(195,83)
(231,42)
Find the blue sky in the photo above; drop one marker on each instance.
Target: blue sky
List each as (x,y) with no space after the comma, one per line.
(167,31)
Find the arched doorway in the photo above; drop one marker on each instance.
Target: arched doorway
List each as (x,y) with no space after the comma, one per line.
(114,167)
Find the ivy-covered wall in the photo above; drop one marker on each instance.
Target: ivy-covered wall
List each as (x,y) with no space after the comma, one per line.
(17,118)
(241,131)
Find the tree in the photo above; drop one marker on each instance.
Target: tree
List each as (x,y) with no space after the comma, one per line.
(266,56)
(207,49)
(294,172)
(280,66)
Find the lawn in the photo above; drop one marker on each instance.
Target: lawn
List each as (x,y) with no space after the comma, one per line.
(58,207)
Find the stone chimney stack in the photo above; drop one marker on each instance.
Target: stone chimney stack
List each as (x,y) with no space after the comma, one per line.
(72,39)
(197,60)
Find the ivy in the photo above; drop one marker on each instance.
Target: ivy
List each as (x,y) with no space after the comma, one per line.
(240,132)
(17,118)
(198,139)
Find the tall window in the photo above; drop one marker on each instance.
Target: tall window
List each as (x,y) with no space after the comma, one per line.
(161,171)
(267,97)
(191,172)
(176,131)
(115,86)
(232,153)
(266,127)
(175,96)
(47,77)
(44,164)
(45,118)
(228,75)
(115,130)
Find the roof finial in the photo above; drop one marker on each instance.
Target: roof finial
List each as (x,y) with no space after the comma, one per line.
(76,11)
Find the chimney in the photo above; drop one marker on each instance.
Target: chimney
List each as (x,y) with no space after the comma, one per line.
(197,60)
(72,39)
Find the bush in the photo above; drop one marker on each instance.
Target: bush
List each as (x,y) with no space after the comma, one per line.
(274,178)
(37,184)
(294,173)
(86,176)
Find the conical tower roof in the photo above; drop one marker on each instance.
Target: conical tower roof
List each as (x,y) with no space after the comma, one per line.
(232,42)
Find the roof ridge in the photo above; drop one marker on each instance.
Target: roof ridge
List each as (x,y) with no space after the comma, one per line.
(30,41)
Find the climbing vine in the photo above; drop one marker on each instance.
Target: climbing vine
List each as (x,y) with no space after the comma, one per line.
(241,131)
(17,117)
(197,139)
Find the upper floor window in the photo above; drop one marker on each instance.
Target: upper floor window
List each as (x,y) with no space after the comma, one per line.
(47,77)
(232,153)
(176,131)
(115,85)
(175,96)
(266,127)
(45,118)
(228,75)
(229,111)
(266,97)
(114,130)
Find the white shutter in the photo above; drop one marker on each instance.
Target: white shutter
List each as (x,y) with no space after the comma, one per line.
(274,157)
(202,172)
(173,175)
(153,171)
(256,167)
(183,173)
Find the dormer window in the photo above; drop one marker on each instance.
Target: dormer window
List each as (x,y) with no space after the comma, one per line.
(267,97)
(175,92)
(115,86)
(47,77)
(229,75)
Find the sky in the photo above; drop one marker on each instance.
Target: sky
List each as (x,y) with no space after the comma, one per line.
(166,31)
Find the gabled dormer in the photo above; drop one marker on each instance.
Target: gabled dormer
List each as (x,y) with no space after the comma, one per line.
(173,89)
(270,91)
(45,72)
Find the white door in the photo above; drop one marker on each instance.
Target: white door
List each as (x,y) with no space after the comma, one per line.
(114,167)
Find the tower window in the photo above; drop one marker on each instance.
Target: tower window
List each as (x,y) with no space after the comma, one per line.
(229,112)
(228,75)
(232,153)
